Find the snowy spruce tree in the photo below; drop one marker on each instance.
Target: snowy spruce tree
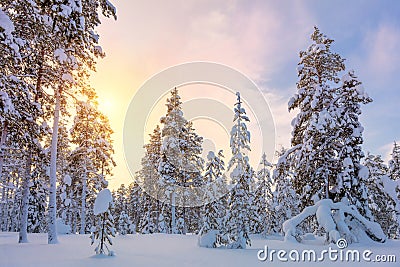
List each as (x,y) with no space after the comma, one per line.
(213,213)
(352,177)
(124,223)
(180,164)
(134,208)
(394,163)
(326,148)
(383,201)
(314,127)
(285,202)
(170,166)
(103,229)
(150,206)
(92,154)
(263,197)
(240,212)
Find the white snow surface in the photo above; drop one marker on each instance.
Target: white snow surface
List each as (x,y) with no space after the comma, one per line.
(164,250)
(102,201)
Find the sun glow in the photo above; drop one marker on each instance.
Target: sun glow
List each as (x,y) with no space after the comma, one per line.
(106,106)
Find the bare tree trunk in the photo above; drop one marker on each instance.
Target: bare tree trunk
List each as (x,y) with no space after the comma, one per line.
(173,213)
(83,203)
(3,193)
(52,232)
(102,233)
(4,133)
(23,232)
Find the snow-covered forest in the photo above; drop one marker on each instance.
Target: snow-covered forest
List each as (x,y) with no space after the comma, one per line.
(56,150)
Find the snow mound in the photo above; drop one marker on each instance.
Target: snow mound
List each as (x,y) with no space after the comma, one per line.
(102,201)
(208,239)
(62,228)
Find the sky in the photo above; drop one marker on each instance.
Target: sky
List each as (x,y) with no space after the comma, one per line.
(262,40)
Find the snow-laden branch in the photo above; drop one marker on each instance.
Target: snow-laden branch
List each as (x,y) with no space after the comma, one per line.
(338,221)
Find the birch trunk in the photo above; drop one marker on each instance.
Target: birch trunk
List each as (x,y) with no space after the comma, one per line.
(83,201)
(52,231)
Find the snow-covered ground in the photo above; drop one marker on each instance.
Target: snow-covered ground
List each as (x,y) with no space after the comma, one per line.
(165,250)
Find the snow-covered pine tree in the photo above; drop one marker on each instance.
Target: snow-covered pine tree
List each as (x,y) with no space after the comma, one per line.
(394,163)
(120,202)
(67,48)
(180,162)
(153,153)
(87,133)
(148,216)
(21,113)
(171,152)
(104,226)
(124,223)
(382,204)
(192,177)
(38,192)
(64,192)
(317,71)
(237,220)
(285,202)
(213,213)
(263,197)
(134,206)
(352,178)
(327,137)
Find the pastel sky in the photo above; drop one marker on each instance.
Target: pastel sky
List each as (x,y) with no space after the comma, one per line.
(262,40)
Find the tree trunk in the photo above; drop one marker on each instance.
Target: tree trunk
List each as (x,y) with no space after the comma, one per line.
(102,234)
(4,199)
(2,143)
(23,232)
(52,231)
(83,203)
(173,218)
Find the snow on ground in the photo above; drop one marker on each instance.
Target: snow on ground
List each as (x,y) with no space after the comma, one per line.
(163,250)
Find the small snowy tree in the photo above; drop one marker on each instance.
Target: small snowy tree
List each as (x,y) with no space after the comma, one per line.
(381,203)
(213,213)
(394,163)
(263,197)
(285,199)
(237,220)
(124,223)
(104,228)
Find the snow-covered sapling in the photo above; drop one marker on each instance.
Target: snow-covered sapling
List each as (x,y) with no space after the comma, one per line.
(104,227)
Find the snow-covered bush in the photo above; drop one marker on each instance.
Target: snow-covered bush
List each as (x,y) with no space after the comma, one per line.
(208,239)
(62,228)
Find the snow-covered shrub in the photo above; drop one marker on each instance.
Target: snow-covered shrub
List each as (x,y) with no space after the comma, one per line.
(209,239)
(62,228)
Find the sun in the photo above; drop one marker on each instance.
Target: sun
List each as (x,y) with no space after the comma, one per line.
(106,106)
